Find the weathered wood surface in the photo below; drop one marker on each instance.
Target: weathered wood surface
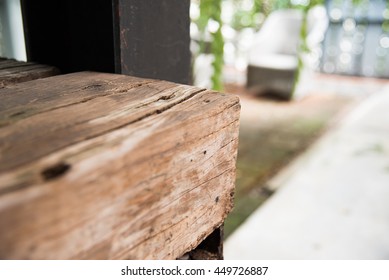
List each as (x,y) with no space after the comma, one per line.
(104,166)
(13,72)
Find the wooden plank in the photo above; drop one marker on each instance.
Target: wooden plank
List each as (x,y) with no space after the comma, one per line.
(13,72)
(143,170)
(11,63)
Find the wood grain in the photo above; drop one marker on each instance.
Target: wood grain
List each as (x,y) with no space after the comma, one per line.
(103,166)
(13,72)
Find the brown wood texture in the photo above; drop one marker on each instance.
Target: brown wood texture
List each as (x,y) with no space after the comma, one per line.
(104,166)
(13,72)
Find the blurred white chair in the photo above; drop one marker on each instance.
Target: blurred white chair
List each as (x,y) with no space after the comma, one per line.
(272,60)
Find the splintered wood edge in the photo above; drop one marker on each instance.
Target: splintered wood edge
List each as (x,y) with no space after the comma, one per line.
(37,181)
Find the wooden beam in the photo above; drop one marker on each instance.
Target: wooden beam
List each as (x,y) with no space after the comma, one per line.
(103,166)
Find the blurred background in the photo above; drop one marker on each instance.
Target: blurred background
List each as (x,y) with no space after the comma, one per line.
(312,77)
(336,37)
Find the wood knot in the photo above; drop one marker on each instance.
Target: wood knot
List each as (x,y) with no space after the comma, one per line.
(55,171)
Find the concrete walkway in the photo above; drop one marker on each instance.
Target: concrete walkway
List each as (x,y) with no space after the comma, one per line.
(335,205)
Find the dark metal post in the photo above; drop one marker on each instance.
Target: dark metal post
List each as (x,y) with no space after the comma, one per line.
(144,38)
(153,38)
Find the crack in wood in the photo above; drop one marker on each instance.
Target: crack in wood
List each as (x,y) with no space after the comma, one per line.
(154,235)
